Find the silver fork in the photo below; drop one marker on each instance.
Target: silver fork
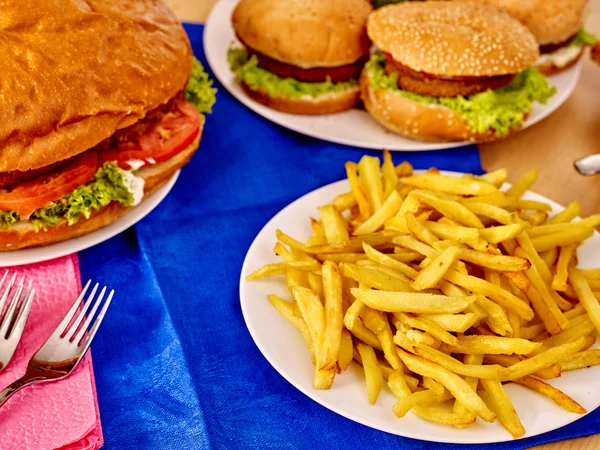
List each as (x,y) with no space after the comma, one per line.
(67,345)
(15,317)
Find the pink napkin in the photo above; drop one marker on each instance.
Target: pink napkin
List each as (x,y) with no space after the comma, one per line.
(59,415)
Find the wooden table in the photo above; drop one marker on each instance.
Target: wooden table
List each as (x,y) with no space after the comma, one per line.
(573,131)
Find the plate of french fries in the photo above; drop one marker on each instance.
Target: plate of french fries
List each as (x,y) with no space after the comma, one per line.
(433,305)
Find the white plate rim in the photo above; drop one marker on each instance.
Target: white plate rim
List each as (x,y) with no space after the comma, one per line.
(313,394)
(137,213)
(211,46)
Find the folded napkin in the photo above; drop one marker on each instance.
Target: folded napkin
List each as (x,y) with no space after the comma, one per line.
(58,415)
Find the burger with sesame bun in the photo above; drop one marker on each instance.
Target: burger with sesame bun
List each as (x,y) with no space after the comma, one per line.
(451,71)
(86,138)
(301,56)
(557,26)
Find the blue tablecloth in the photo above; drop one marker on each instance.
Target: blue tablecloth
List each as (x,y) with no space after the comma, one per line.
(175,366)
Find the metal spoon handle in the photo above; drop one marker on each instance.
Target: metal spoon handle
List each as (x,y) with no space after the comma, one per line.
(590,165)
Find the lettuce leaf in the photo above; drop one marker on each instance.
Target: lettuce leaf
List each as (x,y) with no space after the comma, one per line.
(8,218)
(106,186)
(500,109)
(583,38)
(199,91)
(246,69)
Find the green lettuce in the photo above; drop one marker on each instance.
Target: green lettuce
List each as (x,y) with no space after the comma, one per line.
(8,217)
(199,91)
(583,38)
(246,69)
(108,185)
(500,109)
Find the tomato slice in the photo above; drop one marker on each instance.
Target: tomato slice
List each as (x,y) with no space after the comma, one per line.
(38,193)
(171,135)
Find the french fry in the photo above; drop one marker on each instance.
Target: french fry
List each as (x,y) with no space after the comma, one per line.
(378,324)
(286,309)
(495,235)
(429,326)
(404,169)
(449,208)
(497,319)
(473,382)
(368,172)
(585,295)
(433,273)
(346,347)
(549,257)
(550,228)
(276,269)
(503,407)
(390,207)
(389,261)
(458,323)
(355,244)
(344,202)
(335,227)
(492,372)
(419,230)
(449,184)
(373,277)
(561,238)
(432,385)
(545,359)
(358,191)
(353,314)
(373,376)
(498,262)
(533,205)
(390,177)
(583,329)
(460,234)
(455,384)
(495,213)
(518,189)
(417,303)
(567,214)
(491,345)
(558,397)
(580,360)
(365,335)
(553,371)
(332,337)
(426,398)
(496,177)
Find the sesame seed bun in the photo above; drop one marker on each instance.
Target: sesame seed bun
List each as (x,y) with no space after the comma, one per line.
(73,72)
(418,120)
(23,234)
(305,33)
(550,21)
(324,104)
(453,38)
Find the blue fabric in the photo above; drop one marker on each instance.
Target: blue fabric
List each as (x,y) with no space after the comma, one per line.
(175,366)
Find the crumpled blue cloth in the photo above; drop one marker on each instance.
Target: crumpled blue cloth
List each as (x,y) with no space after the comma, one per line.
(175,365)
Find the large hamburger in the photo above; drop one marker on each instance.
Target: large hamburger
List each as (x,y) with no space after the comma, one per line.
(101,104)
(451,71)
(301,56)
(557,26)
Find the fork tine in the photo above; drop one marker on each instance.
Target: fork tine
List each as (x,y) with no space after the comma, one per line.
(89,317)
(64,324)
(81,316)
(88,339)
(8,317)
(8,289)
(19,326)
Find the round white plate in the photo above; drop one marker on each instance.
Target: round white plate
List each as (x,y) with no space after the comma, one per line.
(284,348)
(137,213)
(354,127)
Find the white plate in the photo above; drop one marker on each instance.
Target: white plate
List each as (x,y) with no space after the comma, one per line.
(137,213)
(353,127)
(284,348)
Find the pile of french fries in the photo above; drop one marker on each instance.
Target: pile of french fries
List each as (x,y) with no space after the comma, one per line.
(446,287)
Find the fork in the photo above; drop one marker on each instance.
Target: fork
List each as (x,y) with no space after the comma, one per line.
(67,345)
(15,316)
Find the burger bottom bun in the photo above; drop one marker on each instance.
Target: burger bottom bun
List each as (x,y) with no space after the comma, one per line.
(23,235)
(550,69)
(324,104)
(416,120)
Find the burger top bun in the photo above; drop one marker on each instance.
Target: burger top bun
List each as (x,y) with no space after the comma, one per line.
(305,33)
(74,71)
(550,21)
(453,38)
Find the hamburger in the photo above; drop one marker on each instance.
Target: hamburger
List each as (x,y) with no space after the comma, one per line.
(102,103)
(451,71)
(557,26)
(301,56)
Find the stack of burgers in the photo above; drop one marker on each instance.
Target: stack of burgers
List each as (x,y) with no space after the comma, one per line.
(438,71)
(102,103)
